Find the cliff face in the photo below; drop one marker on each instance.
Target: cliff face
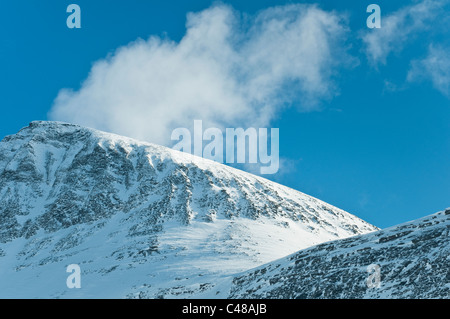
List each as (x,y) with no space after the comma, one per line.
(413,261)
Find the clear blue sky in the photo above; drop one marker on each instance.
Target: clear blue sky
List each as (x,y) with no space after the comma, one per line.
(379,149)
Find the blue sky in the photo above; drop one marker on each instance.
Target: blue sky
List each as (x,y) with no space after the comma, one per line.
(367,129)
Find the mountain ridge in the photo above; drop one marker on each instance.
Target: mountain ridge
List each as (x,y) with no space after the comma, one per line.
(121,208)
(413,260)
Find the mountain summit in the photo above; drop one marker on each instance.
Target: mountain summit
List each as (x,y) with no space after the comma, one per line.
(133,214)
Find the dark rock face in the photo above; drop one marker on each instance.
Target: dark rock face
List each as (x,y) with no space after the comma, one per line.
(413,259)
(58,175)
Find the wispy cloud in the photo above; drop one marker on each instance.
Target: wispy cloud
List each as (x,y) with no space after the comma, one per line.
(399,28)
(228,70)
(435,67)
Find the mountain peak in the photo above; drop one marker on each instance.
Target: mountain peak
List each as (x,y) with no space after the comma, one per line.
(35,126)
(65,188)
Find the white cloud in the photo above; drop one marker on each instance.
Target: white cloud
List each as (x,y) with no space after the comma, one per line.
(435,67)
(228,70)
(398,28)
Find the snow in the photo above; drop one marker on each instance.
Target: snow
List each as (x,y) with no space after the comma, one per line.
(137,218)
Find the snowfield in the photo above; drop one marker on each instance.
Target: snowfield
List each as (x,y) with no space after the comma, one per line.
(145,221)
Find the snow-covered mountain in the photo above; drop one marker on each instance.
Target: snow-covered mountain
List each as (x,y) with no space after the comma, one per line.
(411,260)
(141,220)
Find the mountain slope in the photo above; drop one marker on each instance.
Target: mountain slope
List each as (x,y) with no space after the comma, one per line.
(413,260)
(136,215)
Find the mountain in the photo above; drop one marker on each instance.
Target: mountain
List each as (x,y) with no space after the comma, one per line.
(141,220)
(411,260)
